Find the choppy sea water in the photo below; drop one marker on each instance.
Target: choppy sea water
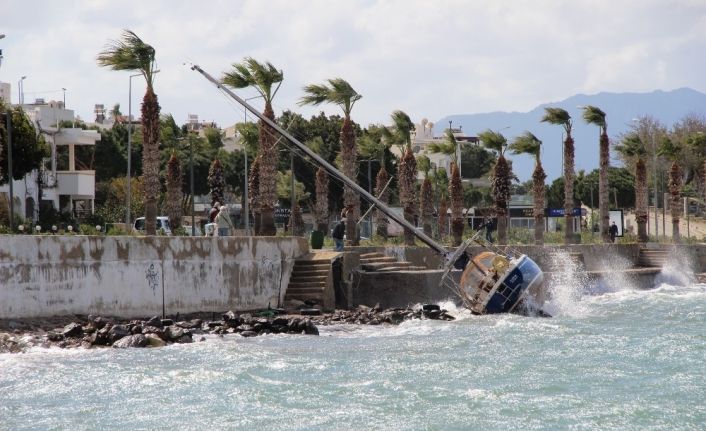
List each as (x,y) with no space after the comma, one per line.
(615,358)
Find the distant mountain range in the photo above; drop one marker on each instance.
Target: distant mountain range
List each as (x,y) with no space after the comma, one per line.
(620,108)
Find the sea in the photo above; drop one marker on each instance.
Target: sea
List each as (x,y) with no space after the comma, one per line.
(613,357)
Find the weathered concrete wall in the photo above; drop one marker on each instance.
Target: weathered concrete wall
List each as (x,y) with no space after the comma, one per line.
(400,288)
(125,276)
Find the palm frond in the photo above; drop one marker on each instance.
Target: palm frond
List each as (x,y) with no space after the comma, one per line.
(129,53)
(493,140)
(593,115)
(556,116)
(631,146)
(314,95)
(252,73)
(526,143)
(442,148)
(669,149)
(338,91)
(403,126)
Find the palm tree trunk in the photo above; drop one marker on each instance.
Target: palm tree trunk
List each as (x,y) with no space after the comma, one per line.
(351,200)
(254,193)
(443,222)
(268,174)
(675,199)
(150,158)
(641,200)
(173,205)
(569,189)
(321,200)
(538,177)
(502,177)
(456,196)
(407,183)
(426,206)
(380,217)
(603,198)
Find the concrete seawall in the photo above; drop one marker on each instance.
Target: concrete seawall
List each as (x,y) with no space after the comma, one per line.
(137,276)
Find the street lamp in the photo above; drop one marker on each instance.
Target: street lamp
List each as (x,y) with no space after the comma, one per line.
(20,90)
(191,174)
(129,150)
(64,90)
(2,36)
(246,207)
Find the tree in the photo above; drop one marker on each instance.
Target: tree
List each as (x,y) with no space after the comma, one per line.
(456,195)
(529,144)
(262,77)
(593,115)
(633,148)
(216,183)
(130,53)
(406,170)
(254,196)
(173,200)
(321,211)
(443,223)
(383,196)
(28,147)
(672,151)
(560,117)
(339,92)
(501,180)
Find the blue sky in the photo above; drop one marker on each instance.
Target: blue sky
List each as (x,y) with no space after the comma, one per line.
(429,59)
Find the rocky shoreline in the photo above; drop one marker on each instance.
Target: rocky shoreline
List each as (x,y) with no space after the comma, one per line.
(17,335)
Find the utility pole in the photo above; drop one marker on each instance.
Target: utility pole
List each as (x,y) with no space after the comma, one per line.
(292,196)
(8,122)
(191,168)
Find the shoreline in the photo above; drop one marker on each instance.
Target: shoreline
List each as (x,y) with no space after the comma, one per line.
(90,332)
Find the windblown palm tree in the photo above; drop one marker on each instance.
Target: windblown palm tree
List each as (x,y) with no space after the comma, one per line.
(529,144)
(633,149)
(501,181)
(672,151)
(426,196)
(373,145)
(173,200)
(593,115)
(558,116)
(339,92)
(130,53)
(406,170)
(456,196)
(262,77)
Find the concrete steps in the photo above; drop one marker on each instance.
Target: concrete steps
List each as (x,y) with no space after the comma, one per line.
(308,280)
(379,262)
(653,258)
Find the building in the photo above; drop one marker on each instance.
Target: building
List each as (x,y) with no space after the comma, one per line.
(66,181)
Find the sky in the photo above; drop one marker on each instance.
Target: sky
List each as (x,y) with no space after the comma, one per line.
(429,59)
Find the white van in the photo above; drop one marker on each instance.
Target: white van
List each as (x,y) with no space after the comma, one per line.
(162,224)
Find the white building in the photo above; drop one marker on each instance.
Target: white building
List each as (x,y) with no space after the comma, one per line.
(66,183)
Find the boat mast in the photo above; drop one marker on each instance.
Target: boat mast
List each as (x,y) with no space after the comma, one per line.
(327,166)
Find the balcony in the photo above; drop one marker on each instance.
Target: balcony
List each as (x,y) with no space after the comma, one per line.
(76,183)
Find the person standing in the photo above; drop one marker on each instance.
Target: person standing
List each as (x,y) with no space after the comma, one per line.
(613,231)
(338,233)
(223,221)
(488,224)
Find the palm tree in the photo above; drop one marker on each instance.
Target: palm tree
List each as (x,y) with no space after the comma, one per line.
(254,195)
(672,151)
(593,115)
(443,222)
(173,201)
(529,144)
(130,53)
(262,77)
(339,92)
(374,143)
(633,148)
(501,181)
(456,196)
(558,116)
(426,195)
(406,170)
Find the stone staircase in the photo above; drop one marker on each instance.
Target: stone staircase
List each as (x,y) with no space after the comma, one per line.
(380,263)
(653,257)
(308,281)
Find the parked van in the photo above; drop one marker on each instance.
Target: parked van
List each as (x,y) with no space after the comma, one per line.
(162,224)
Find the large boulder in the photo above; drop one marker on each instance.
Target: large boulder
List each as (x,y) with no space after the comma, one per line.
(73,330)
(137,340)
(153,340)
(117,332)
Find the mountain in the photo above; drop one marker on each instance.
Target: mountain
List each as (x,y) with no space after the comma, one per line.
(621,108)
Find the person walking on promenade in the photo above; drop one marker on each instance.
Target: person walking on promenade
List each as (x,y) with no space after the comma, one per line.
(223,221)
(613,231)
(338,233)
(488,224)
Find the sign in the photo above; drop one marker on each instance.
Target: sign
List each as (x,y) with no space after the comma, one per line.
(522,212)
(559,212)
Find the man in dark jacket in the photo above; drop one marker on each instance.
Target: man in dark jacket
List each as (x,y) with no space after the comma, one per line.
(338,232)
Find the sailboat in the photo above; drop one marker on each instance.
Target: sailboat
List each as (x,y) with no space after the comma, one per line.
(494,281)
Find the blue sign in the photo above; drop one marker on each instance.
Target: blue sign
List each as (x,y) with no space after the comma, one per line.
(559,212)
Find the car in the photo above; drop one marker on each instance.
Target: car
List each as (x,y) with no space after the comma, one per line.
(162,225)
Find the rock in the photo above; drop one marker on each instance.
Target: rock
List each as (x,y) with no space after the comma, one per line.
(248,333)
(310,328)
(167,322)
(173,333)
(73,330)
(310,312)
(100,322)
(280,321)
(55,336)
(152,330)
(153,340)
(117,332)
(136,329)
(137,340)
(101,337)
(155,321)
(191,324)
(229,315)
(433,314)
(431,307)
(184,339)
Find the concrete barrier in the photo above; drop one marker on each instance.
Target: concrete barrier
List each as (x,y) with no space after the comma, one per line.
(138,276)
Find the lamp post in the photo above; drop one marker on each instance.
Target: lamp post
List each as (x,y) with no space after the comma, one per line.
(64,90)
(8,123)
(129,150)
(246,204)
(20,90)
(2,36)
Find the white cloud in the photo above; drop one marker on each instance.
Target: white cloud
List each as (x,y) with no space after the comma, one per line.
(427,58)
